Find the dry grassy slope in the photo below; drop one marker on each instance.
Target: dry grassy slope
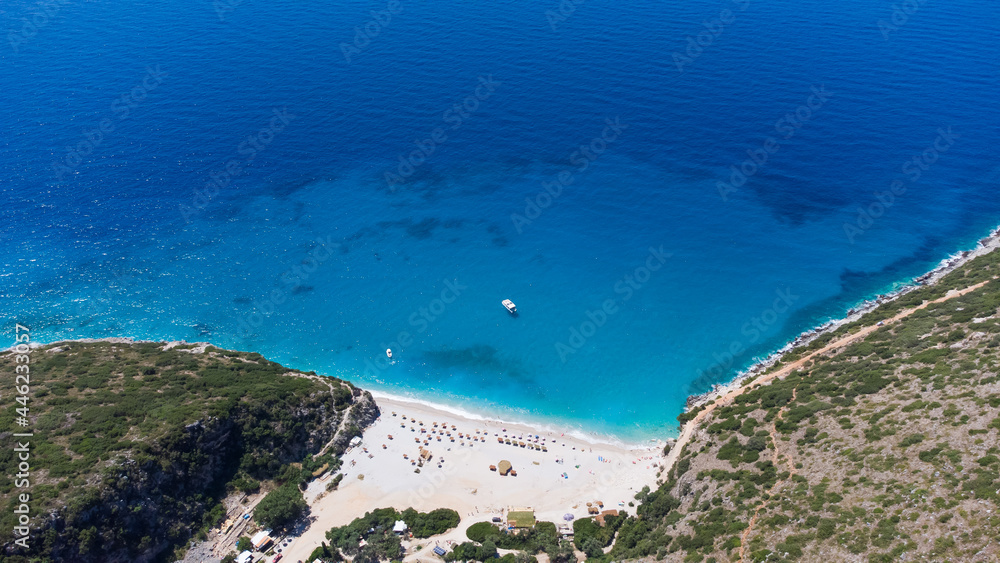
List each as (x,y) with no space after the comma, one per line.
(883,450)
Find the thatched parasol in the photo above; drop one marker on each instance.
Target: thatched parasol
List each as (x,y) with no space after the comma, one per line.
(504,467)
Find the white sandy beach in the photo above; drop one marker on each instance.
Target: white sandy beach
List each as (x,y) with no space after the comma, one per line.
(562,480)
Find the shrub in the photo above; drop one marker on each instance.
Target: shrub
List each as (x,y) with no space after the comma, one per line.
(280,507)
(987,460)
(547,529)
(756,443)
(658,504)
(479,531)
(425,525)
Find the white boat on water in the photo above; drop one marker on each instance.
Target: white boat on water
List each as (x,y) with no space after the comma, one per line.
(509,305)
(388,352)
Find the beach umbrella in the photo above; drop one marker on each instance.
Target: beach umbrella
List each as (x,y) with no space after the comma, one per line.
(567,517)
(504,467)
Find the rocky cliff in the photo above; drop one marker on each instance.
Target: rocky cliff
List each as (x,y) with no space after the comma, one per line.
(136,443)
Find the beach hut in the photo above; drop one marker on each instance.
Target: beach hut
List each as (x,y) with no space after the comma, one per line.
(504,467)
(261,540)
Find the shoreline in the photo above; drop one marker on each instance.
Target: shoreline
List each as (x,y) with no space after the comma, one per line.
(985,245)
(402,401)
(541,425)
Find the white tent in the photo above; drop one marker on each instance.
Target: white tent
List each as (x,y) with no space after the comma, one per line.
(399,527)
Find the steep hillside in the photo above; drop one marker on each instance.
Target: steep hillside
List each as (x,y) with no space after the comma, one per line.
(873,443)
(135,444)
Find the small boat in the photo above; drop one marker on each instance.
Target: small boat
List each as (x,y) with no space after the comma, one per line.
(509,305)
(388,352)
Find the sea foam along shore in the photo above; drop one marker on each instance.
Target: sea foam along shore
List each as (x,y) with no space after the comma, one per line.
(548,427)
(985,245)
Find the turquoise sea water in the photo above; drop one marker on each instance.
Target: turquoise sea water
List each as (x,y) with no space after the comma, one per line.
(667,190)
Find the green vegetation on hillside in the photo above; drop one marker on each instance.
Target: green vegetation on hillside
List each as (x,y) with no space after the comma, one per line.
(135,445)
(884,449)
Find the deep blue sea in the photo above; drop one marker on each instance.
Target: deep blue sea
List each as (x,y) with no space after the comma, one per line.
(667,190)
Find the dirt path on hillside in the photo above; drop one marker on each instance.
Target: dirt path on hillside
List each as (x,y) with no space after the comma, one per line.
(689,429)
(776,460)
